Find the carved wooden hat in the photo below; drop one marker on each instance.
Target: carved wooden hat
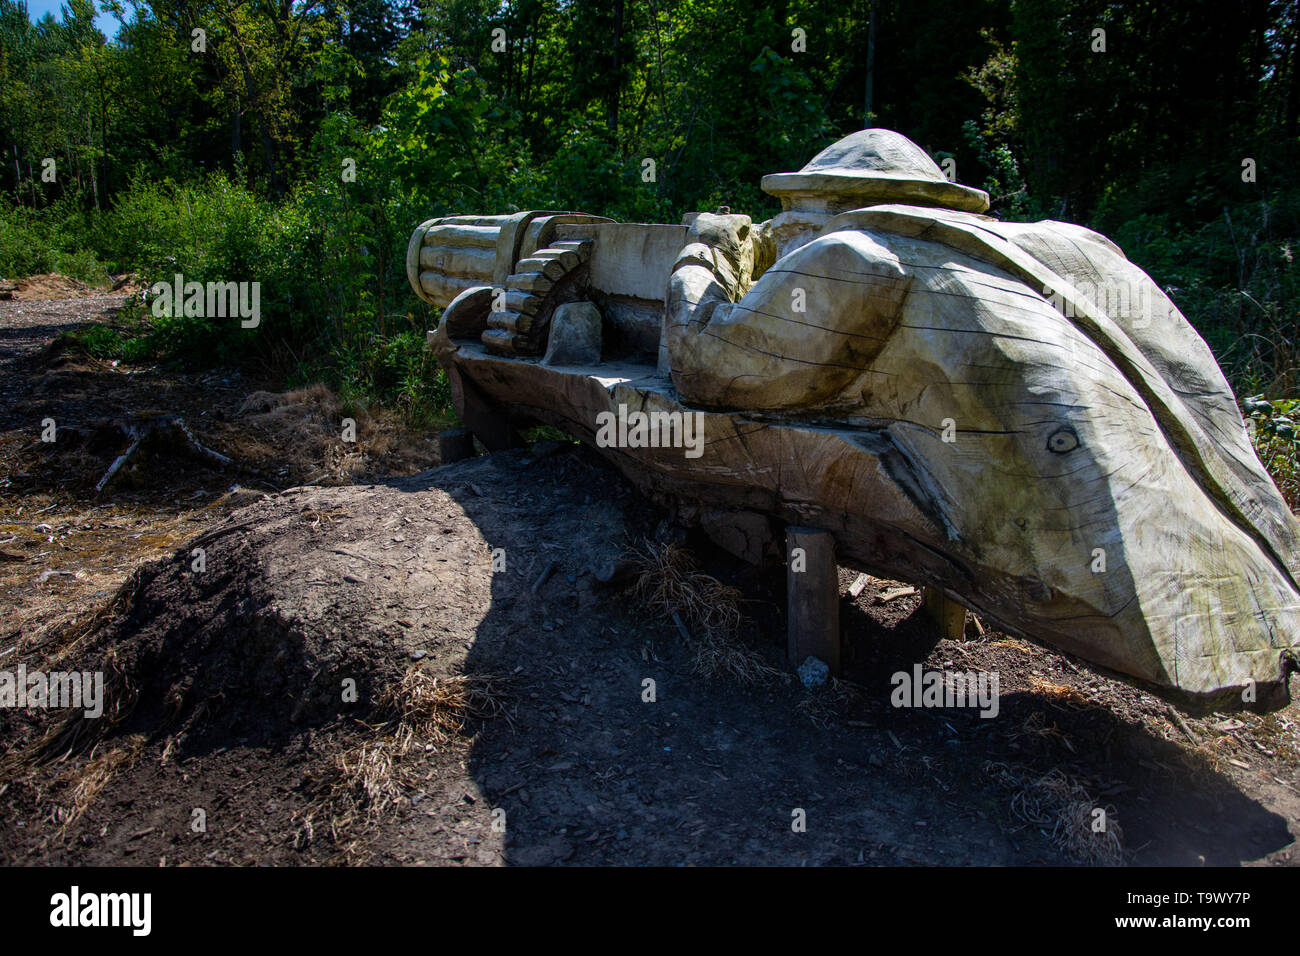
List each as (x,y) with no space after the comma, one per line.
(870,167)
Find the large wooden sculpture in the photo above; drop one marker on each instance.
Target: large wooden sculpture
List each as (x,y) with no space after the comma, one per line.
(1011,413)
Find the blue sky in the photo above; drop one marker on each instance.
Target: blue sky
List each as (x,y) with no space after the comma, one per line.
(38,8)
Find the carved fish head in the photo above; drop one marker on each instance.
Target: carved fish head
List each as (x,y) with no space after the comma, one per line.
(1086,473)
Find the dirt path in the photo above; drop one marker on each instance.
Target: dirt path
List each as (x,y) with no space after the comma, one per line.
(233,689)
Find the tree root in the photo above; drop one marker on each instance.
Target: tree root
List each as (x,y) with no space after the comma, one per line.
(162,432)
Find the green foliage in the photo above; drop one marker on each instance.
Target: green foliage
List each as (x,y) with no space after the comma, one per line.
(1235,279)
(1273,429)
(55,240)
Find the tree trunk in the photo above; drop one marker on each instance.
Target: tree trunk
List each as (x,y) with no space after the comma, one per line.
(1292,107)
(254,97)
(617,78)
(236,134)
(868,116)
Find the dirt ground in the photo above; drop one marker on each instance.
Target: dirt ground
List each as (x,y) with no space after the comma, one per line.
(383,662)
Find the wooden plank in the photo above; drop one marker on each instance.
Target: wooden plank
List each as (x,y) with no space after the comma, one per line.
(812,596)
(948,615)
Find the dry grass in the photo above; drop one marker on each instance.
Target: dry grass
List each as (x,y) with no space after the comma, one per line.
(1062,694)
(363,781)
(1036,726)
(315,397)
(84,782)
(1209,756)
(1014,644)
(436,708)
(96,544)
(65,737)
(1063,810)
(302,430)
(299,436)
(1274,738)
(49,286)
(373,776)
(1277,732)
(670,583)
(719,656)
(72,639)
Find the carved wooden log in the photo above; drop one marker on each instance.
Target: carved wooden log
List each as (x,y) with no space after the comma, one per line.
(446,256)
(520,301)
(958,402)
(553,266)
(947,614)
(533,282)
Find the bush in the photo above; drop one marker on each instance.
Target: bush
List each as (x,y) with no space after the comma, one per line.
(1235,280)
(334,301)
(56,239)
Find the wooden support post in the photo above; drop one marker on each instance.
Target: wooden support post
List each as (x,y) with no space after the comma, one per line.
(484,418)
(455,444)
(812,597)
(948,615)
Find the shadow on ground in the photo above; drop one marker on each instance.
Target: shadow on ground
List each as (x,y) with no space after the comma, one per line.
(710,773)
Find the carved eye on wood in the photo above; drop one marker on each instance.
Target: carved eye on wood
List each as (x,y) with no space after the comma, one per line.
(1062,440)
